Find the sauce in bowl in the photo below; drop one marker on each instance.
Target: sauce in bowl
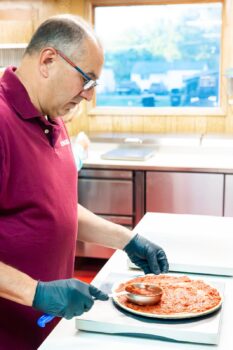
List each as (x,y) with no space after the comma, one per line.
(144,289)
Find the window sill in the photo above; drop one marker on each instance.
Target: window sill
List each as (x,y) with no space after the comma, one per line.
(158,111)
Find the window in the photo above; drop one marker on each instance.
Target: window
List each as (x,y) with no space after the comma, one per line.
(160,55)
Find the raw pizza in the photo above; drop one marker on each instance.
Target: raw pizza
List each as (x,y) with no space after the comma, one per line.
(181,296)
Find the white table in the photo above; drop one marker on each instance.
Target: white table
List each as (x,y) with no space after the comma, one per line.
(65,336)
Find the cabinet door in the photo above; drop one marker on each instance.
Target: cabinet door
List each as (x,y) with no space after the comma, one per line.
(228,198)
(108,193)
(106,196)
(93,250)
(184,193)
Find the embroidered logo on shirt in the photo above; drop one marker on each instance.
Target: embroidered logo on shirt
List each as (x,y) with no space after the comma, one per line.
(65,142)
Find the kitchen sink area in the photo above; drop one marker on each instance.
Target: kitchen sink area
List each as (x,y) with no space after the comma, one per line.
(142,147)
(129,152)
(162,151)
(160,142)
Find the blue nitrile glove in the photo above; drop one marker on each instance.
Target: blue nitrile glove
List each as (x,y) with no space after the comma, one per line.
(148,256)
(80,154)
(66,298)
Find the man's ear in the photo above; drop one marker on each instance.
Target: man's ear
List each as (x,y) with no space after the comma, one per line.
(47,58)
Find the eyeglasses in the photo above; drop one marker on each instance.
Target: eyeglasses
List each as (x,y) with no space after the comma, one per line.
(88,82)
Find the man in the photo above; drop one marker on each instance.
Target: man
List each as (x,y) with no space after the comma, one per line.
(39,218)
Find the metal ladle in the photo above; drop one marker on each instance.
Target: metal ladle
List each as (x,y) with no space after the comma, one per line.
(141,293)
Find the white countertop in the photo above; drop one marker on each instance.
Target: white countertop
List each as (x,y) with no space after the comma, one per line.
(65,336)
(190,157)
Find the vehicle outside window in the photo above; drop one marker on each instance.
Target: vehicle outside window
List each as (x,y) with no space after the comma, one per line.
(160,55)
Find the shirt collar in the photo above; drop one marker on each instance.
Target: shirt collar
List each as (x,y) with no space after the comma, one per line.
(17,95)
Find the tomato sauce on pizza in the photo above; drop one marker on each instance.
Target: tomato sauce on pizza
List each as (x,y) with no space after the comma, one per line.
(180,295)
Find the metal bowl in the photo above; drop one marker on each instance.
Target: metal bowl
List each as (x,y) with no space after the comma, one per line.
(143,293)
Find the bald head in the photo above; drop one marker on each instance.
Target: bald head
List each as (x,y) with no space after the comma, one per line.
(66,33)
(59,45)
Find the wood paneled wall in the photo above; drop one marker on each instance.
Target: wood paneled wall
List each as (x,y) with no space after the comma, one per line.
(18,20)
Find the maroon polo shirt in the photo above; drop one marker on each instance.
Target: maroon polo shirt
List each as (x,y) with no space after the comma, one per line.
(38,205)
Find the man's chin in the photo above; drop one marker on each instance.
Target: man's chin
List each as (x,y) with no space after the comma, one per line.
(69,114)
(67,117)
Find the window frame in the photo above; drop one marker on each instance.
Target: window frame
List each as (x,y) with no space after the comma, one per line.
(219,111)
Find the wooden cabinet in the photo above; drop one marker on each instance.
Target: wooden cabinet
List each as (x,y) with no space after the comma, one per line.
(184,193)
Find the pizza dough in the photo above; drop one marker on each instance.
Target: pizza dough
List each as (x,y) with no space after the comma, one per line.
(181,295)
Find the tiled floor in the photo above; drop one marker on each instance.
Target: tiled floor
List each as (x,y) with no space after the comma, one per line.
(87,268)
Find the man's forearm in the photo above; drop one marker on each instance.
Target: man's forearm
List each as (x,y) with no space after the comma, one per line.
(93,228)
(16,285)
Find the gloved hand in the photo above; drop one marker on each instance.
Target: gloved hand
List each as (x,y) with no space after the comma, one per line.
(66,298)
(148,256)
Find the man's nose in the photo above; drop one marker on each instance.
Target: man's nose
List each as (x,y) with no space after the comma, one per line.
(87,94)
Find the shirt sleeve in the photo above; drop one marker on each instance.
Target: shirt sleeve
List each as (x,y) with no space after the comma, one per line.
(1,161)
